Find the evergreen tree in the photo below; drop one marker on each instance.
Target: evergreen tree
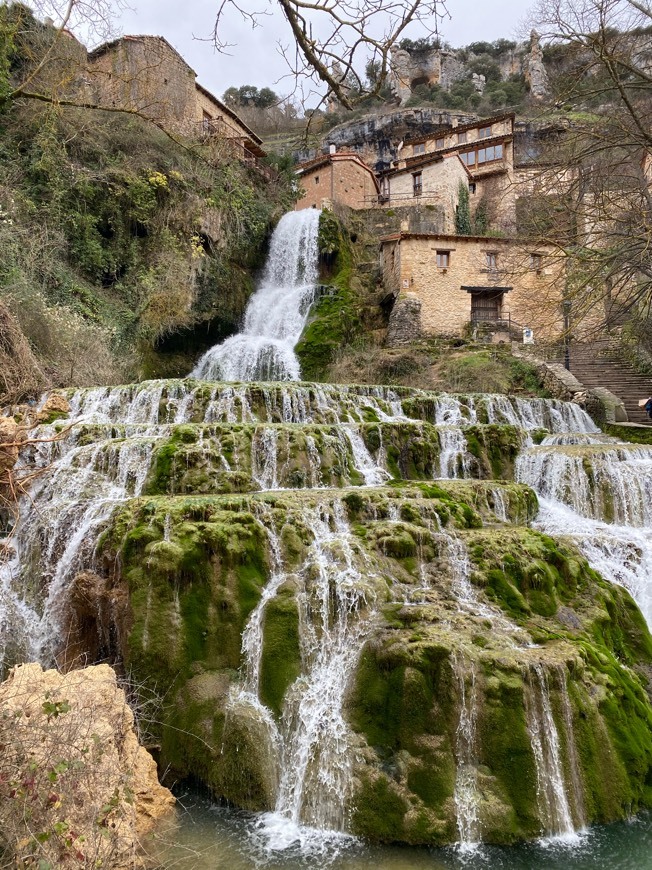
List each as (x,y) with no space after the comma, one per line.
(481,219)
(463,225)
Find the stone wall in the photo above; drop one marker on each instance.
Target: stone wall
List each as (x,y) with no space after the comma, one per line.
(404,322)
(144,74)
(228,125)
(440,188)
(534,297)
(500,194)
(602,405)
(337,181)
(418,218)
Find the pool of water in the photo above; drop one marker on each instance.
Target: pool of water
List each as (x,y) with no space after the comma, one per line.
(204,836)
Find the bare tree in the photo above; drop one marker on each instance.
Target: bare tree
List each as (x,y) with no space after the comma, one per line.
(333,41)
(590,194)
(50,57)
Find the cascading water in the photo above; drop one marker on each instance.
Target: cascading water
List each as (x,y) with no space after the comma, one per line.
(551,787)
(315,752)
(599,492)
(466,779)
(276,313)
(252,433)
(53,543)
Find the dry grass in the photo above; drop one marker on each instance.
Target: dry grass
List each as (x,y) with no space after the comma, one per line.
(20,374)
(372,364)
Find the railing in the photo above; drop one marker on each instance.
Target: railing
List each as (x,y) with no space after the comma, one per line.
(385,198)
(502,321)
(215,128)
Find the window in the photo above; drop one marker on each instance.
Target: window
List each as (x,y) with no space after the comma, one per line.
(207,122)
(482,155)
(471,186)
(384,190)
(491,260)
(535,262)
(484,132)
(417,183)
(316,179)
(443,259)
(439,143)
(419,149)
(461,137)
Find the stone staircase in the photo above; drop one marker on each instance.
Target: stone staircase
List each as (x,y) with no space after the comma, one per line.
(601,364)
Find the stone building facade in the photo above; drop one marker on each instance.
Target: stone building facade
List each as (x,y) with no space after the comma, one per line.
(447,284)
(147,75)
(340,177)
(480,154)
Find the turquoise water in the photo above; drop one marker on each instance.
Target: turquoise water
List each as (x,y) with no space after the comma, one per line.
(209,837)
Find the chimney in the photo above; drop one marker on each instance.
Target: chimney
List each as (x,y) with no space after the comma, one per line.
(332,149)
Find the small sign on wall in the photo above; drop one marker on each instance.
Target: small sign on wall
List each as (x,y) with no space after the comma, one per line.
(406,283)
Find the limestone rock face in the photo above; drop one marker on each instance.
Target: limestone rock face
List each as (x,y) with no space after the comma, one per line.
(76,788)
(534,68)
(479,82)
(9,436)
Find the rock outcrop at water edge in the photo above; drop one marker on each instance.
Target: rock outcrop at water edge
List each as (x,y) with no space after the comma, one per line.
(76,788)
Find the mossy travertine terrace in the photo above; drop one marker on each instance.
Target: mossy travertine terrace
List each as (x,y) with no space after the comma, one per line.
(256,551)
(441,588)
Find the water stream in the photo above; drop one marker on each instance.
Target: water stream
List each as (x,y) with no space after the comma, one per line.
(591,488)
(277,311)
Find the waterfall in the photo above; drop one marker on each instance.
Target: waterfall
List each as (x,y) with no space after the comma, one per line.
(599,492)
(363,461)
(452,456)
(266,437)
(466,793)
(51,544)
(277,311)
(554,807)
(577,790)
(596,481)
(315,741)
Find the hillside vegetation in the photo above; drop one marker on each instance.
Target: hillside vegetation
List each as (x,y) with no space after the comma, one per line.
(124,252)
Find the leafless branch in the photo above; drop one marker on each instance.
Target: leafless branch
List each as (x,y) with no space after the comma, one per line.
(333,41)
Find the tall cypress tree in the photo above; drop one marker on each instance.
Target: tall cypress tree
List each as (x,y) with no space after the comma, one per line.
(463,225)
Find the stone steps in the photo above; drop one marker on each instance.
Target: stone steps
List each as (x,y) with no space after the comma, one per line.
(600,364)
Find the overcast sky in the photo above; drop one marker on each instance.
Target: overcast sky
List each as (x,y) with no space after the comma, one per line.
(254,60)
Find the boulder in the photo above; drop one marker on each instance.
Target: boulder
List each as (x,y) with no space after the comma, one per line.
(55,406)
(76,788)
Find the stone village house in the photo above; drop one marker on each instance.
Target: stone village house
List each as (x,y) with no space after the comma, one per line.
(146,74)
(339,177)
(450,285)
(441,283)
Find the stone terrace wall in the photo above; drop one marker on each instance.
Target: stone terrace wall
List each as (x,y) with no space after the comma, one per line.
(147,75)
